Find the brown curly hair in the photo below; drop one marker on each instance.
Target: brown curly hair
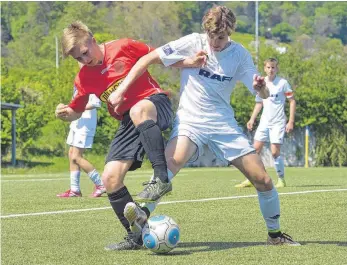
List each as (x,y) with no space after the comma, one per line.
(219,19)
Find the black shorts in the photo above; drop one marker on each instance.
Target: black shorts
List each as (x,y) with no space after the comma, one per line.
(126,144)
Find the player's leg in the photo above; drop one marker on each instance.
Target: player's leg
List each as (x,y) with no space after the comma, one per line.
(234,147)
(279,164)
(75,172)
(178,152)
(119,196)
(126,153)
(82,143)
(259,140)
(152,116)
(276,139)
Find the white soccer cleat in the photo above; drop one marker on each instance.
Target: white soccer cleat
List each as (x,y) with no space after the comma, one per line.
(136,217)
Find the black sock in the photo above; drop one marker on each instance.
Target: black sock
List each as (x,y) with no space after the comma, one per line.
(118,200)
(153,143)
(145,209)
(274,234)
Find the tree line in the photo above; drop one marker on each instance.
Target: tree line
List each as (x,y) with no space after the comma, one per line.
(29,76)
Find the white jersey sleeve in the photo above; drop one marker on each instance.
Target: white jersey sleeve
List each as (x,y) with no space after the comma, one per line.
(288,90)
(179,50)
(246,71)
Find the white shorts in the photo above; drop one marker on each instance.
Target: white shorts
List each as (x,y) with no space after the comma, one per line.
(226,142)
(79,140)
(273,134)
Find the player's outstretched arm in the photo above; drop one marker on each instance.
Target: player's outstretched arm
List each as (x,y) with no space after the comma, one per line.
(65,113)
(116,98)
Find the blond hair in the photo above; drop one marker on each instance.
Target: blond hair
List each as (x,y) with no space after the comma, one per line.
(219,19)
(75,34)
(271,60)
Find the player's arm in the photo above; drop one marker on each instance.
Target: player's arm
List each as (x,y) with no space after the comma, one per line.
(74,110)
(257,108)
(292,109)
(65,113)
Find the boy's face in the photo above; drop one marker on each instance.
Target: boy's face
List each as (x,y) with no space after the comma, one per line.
(88,54)
(218,42)
(270,69)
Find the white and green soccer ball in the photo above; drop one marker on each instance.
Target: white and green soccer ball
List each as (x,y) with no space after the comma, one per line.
(161,234)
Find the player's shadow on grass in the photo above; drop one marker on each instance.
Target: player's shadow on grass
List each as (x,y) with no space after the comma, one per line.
(186,248)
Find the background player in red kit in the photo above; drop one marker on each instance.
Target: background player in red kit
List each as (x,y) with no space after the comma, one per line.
(145,111)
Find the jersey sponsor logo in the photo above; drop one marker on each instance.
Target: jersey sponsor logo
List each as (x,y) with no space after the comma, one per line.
(167,49)
(218,77)
(274,95)
(104,96)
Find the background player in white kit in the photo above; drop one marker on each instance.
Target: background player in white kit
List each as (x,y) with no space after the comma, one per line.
(273,124)
(204,115)
(81,137)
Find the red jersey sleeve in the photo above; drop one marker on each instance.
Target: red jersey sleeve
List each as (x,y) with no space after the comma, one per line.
(137,49)
(80,100)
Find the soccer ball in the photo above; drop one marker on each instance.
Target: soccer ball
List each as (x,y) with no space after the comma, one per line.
(161,234)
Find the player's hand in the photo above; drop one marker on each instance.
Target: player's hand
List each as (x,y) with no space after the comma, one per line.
(250,124)
(197,61)
(289,127)
(200,59)
(116,99)
(258,83)
(61,111)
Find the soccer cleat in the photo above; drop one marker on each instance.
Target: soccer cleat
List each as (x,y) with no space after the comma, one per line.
(244,184)
(281,183)
(98,191)
(154,190)
(136,218)
(69,194)
(283,239)
(131,242)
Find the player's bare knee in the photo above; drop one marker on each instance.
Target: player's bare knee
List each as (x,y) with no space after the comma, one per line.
(111,182)
(137,114)
(263,182)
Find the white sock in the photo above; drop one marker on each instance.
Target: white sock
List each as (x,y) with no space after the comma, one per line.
(279,166)
(75,181)
(152,205)
(95,177)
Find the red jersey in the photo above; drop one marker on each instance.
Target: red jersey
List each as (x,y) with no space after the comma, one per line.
(120,56)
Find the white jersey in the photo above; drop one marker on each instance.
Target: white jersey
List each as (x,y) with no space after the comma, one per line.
(205,92)
(86,125)
(273,106)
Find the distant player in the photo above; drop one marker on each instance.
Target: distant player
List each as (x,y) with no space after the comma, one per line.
(81,137)
(273,123)
(204,115)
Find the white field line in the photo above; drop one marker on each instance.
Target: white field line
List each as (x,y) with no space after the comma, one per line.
(52,179)
(169,202)
(132,173)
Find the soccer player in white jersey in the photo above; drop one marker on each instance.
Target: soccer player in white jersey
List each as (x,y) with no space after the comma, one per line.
(81,137)
(273,122)
(204,115)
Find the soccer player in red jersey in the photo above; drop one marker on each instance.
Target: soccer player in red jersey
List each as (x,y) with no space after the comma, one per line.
(144,111)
